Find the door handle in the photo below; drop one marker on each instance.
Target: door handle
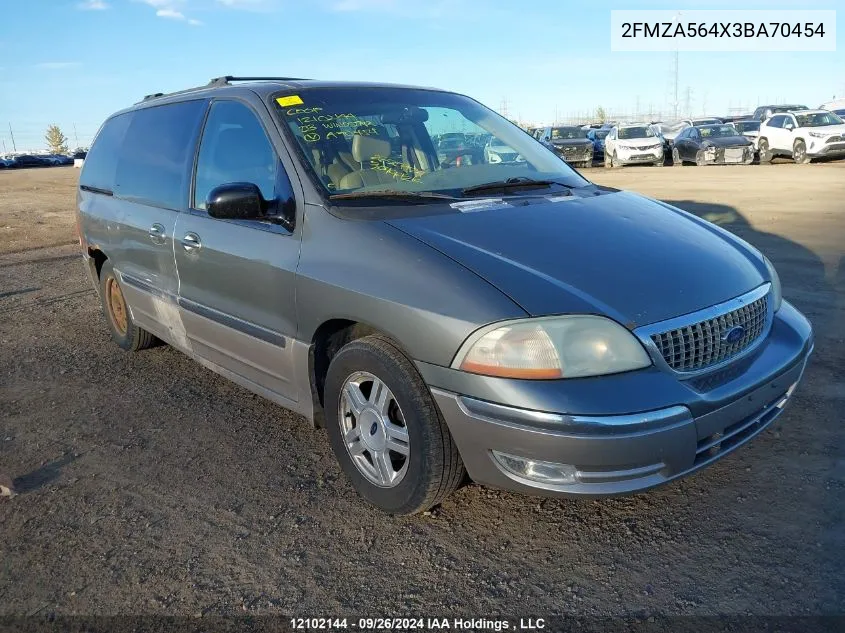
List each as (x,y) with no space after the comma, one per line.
(157,235)
(191,242)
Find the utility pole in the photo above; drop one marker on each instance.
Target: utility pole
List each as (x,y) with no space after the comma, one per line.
(14,147)
(688,102)
(4,146)
(75,137)
(675,20)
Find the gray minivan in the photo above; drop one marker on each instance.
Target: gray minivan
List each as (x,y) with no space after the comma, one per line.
(507,320)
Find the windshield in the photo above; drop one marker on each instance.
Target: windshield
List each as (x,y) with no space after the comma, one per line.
(818,119)
(705,121)
(635,132)
(747,126)
(408,140)
(568,133)
(600,134)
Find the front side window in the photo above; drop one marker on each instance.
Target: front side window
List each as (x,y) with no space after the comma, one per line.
(775,121)
(234,148)
(410,140)
(153,167)
(747,126)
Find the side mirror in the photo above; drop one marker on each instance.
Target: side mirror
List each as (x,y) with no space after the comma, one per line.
(789,126)
(236,201)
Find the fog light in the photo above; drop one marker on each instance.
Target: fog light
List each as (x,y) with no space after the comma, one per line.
(535,470)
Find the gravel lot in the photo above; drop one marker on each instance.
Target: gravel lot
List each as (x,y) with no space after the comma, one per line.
(150,485)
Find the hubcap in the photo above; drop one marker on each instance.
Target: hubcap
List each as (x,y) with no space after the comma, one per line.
(117,305)
(374,430)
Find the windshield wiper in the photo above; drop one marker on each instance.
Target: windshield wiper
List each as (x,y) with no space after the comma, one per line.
(520,182)
(387,193)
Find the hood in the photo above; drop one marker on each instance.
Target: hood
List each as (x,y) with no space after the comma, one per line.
(827,129)
(639,142)
(619,254)
(727,141)
(571,142)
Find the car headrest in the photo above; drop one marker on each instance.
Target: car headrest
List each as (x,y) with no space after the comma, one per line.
(365,147)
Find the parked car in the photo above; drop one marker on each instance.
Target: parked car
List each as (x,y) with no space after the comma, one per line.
(719,144)
(31,160)
(79,159)
(497,151)
(736,117)
(765,111)
(633,144)
(512,320)
(6,163)
(802,135)
(702,121)
(749,128)
(570,143)
(597,137)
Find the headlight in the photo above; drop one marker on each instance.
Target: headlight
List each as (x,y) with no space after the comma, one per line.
(777,295)
(569,346)
(817,134)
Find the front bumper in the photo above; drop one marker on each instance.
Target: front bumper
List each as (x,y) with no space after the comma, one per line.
(622,433)
(742,155)
(640,156)
(828,149)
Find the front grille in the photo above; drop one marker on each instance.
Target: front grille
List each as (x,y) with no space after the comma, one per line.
(700,345)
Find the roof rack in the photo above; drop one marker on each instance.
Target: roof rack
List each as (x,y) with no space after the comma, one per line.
(220,81)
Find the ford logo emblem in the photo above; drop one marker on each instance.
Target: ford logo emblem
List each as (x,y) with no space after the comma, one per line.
(733,335)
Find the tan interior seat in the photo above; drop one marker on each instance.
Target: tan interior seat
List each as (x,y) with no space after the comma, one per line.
(364,149)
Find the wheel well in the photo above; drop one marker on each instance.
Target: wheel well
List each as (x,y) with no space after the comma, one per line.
(99,258)
(329,338)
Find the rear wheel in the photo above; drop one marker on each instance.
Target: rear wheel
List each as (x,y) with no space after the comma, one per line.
(799,152)
(386,430)
(124,332)
(764,152)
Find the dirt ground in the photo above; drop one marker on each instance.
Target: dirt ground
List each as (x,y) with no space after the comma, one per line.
(149,485)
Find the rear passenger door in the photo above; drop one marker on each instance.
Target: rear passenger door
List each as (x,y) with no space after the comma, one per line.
(236,277)
(152,178)
(774,132)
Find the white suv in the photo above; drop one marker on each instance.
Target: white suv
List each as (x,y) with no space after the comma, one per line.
(803,135)
(633,143)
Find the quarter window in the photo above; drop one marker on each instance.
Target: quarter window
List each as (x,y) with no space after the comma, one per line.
(99,169)
(235,148)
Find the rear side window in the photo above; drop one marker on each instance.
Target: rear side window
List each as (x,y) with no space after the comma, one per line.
(100,163)
(157,149)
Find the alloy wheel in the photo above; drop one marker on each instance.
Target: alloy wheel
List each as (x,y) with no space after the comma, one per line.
(374,430)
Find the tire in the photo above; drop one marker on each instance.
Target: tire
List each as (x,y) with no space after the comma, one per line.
(607,161)
(676,158)
(763,151)
(799,152)
(614,160)
(432,468)
(124,332)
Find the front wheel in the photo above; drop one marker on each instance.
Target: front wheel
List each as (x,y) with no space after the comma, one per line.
(614,160)
(799,153)
(676,157)
(386,430)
